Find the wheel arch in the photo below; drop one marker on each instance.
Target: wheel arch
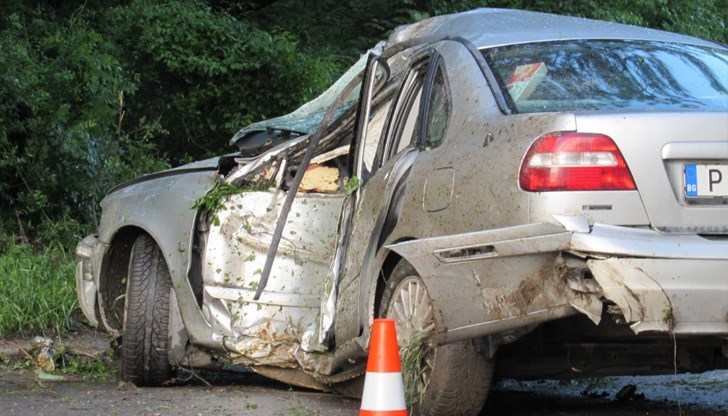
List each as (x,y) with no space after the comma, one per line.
(385,271)
(113,277)
(113,280)
(389,260)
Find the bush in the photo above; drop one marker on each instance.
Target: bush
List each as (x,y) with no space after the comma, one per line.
(96,96)
(204,74)
(62,144)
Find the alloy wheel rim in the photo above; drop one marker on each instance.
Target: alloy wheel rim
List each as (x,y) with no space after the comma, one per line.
(411,309)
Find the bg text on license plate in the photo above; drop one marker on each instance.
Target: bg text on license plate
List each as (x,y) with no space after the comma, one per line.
(706,180)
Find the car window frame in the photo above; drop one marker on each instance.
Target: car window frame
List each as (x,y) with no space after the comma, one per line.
(437,68)
(412,85)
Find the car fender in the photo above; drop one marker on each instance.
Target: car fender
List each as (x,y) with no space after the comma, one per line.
(162,207)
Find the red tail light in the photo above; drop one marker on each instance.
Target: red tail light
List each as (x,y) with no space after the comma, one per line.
(568,161)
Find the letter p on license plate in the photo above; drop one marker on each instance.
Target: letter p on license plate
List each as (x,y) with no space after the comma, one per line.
(706,180)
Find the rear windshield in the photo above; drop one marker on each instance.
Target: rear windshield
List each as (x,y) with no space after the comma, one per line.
(603,75)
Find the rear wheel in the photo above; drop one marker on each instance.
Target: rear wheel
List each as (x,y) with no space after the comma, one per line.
(145,341)
(439,380)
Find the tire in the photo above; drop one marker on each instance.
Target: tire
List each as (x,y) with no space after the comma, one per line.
(145,340)
(453,379)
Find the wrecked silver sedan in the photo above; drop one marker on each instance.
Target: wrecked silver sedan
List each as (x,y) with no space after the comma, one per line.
(547,193)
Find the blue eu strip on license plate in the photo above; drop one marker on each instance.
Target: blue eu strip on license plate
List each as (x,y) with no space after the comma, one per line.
(691,180)
(706,181)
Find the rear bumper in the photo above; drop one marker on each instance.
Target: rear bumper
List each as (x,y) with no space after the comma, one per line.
(661,282)
(497,280)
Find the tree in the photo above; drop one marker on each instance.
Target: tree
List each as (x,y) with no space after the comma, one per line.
(94,92)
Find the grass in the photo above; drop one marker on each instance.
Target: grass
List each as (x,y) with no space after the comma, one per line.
(413,367)
(37,290)
(99,368)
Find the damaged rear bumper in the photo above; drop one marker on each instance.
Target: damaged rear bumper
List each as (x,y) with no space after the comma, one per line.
(661,282)
(498,280)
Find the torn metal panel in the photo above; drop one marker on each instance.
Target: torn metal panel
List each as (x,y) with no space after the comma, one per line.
(177,333)
(291,376)
(234,257)
(249,165)
(586,294)
(661,282)
(681,296)
(641,299)
(654,294)
(261,351)
(650,276)
(328,303)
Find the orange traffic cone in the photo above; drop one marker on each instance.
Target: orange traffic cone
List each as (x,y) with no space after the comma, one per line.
(383,385)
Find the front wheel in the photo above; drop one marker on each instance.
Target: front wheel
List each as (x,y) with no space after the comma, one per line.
(451,379)
(145,342)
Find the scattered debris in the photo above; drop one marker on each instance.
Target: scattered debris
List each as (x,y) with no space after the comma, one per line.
(319,178)
(126,386)
(44,359)
(43,376)
(72,358)
(629,392)
(594,394)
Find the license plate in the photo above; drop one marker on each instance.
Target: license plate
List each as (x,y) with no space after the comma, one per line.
(706,180)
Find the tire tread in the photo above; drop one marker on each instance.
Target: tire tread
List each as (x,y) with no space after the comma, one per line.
(461,376)
(144,358)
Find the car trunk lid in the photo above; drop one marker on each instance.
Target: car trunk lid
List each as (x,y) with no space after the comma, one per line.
(659,148)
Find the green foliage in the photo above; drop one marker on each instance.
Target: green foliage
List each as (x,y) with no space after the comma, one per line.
(37,292)
(216,73)
(319,24)
(214,199)
(61,144)
(98,94)
(341,30)
(351,185)
(98,368)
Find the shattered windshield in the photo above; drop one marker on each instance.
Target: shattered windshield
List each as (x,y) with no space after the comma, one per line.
(306,118)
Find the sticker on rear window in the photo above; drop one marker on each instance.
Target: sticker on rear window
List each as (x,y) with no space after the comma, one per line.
(525,79)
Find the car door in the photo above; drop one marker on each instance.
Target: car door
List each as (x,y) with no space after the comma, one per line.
(383,172)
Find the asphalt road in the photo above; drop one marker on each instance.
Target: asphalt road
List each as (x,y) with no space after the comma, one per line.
(245,393)
(248,394)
